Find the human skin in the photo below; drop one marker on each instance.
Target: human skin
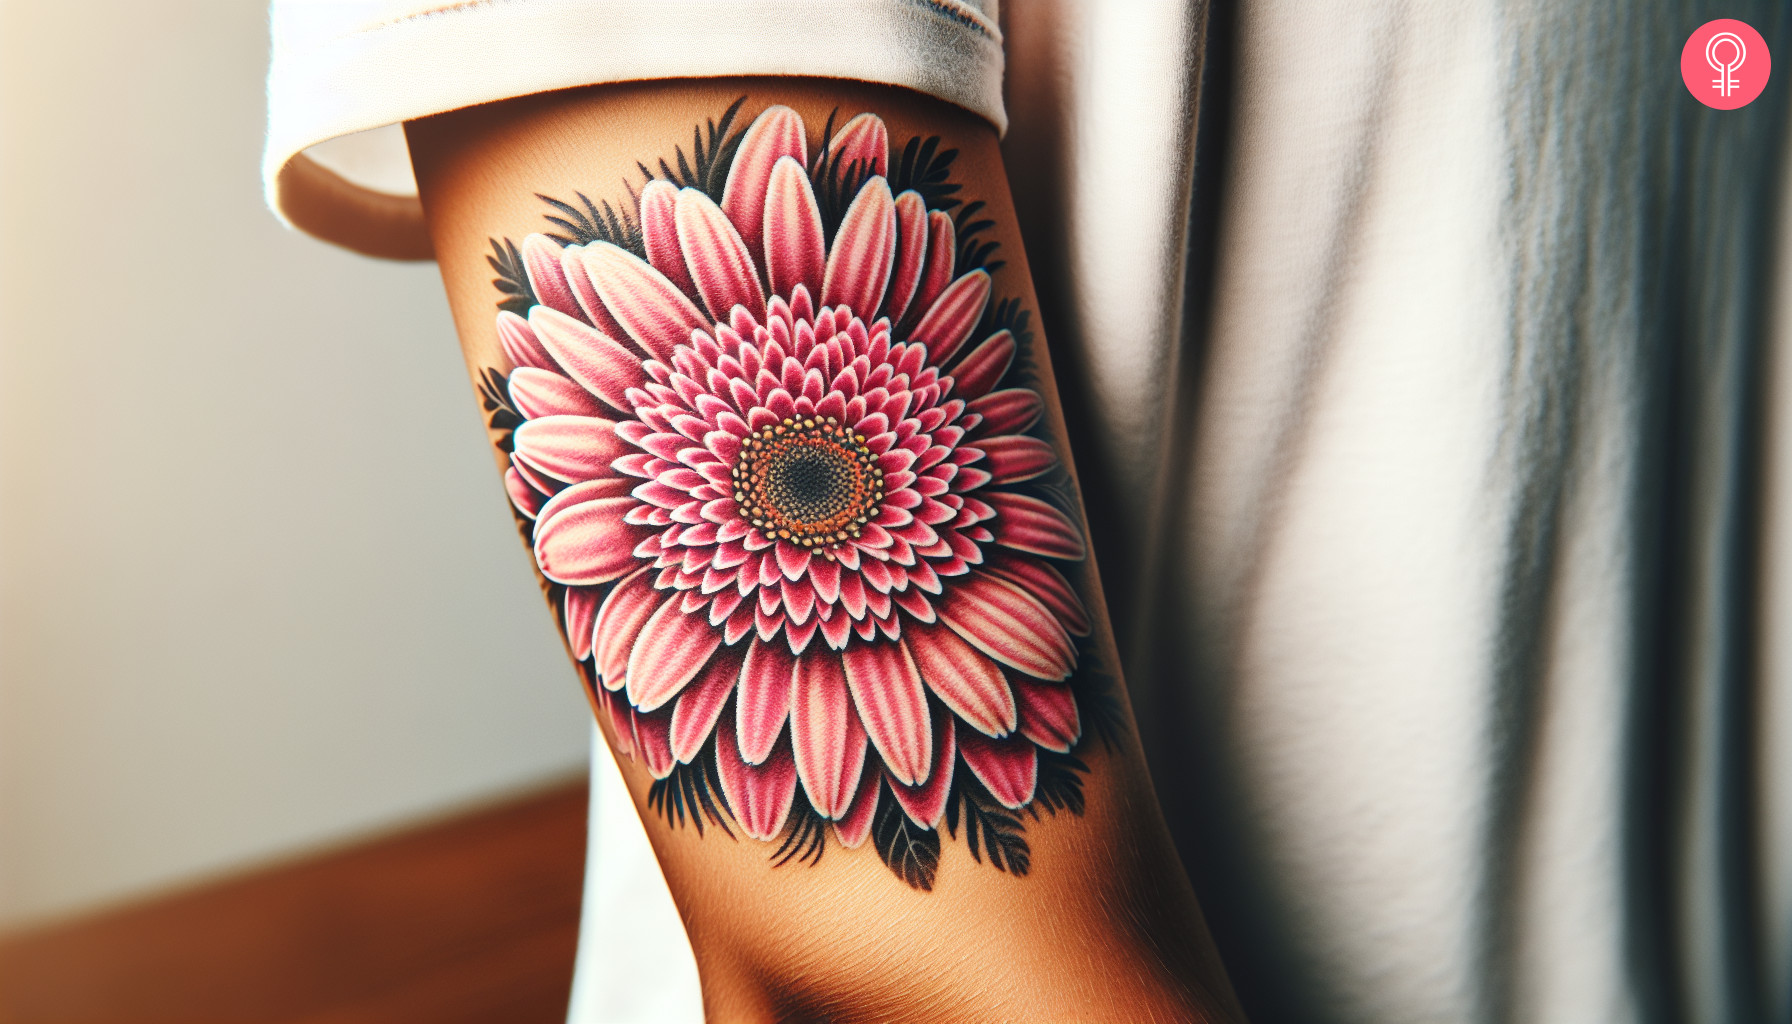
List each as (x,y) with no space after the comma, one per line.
(1100,924)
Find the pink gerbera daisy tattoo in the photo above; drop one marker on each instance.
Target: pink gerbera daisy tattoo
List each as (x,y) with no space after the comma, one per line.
(771,444)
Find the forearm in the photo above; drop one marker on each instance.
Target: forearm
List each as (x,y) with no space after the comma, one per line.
(784,441)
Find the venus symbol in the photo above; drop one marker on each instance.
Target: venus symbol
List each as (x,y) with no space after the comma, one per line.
(1725,83)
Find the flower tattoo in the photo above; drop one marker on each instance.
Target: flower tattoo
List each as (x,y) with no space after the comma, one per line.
(769,440)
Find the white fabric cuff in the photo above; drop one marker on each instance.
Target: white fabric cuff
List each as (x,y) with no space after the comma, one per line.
(346,73)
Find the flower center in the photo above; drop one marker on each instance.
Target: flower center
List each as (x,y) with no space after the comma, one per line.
(808,481)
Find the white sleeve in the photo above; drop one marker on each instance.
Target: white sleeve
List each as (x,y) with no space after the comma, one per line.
(346,73)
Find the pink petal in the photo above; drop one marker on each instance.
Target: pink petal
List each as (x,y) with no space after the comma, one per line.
(863,141)
(824,576)
(759,795)
(1048,714)
(579,614)
(941,243)
(952,317)
(572,261)
(858,268)
(520,344)
(1027,524)
(799,636)
(852,594)
(720,265)
(926,803)
(597,361)
(653,742)
(984,368)
(963,679)
(527,499)
(671,649)
(855,825)
(1014,458)
(795,252)
(825,734)
(1007,768)
(619,622)
(701,703)
(581,539)
(650,309)
(886,688)
(569,448)
(659,233)
(1048,585)
(912,601)
(547,279)
(740,623)
(799,601)
(1008,411)
(911,253)
(538,393)
(764,700)
(794,561)
(540,481)
(622,723)
(835,630)
(777,132)
(1009,625)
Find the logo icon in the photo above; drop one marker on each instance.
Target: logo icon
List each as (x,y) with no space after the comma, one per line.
(1725,64)
(1726,69)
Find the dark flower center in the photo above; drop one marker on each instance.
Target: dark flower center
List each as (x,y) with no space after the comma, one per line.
(808,481)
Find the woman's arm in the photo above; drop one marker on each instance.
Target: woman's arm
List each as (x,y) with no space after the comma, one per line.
(763,376)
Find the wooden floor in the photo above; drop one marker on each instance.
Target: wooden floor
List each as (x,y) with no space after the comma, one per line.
(471,919)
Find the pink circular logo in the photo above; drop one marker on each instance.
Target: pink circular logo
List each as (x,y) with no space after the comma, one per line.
(1725,64)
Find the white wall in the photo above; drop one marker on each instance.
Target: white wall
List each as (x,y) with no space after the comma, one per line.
(259,589)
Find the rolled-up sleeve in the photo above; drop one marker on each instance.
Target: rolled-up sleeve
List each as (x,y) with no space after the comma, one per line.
(345,74)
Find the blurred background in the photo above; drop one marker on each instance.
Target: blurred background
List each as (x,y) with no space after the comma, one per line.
(244,616)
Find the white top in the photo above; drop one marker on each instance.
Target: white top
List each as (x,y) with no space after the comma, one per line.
(347,73)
